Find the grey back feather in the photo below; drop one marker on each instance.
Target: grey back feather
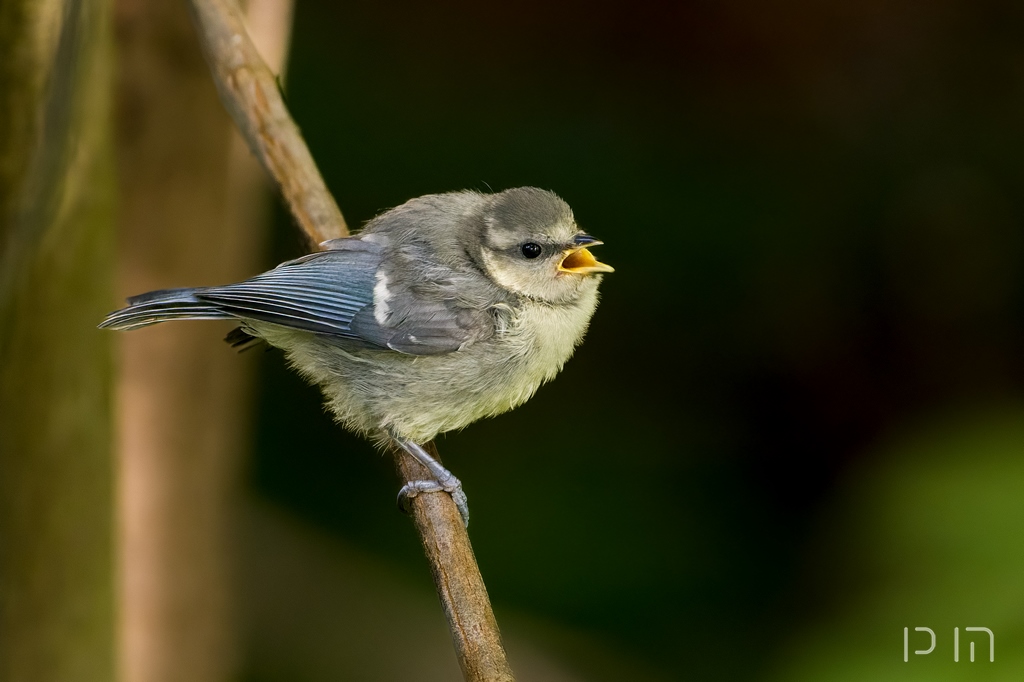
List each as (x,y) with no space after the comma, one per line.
(362,290)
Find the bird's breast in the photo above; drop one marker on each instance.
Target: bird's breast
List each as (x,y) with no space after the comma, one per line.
(548,334)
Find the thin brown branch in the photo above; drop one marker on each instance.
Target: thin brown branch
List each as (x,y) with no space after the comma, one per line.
(457,578)
(250,93)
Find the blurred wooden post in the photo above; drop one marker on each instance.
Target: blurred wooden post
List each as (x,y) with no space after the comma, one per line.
(56,268)
(194,209)
(251,95)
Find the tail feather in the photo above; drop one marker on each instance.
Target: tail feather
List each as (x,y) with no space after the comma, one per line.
(241,340)
(160,306)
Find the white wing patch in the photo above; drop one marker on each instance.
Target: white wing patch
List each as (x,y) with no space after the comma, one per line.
(381,294)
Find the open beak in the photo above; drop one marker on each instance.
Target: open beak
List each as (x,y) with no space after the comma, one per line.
(579,261)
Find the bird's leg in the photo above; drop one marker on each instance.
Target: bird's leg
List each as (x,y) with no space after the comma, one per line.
(444,480)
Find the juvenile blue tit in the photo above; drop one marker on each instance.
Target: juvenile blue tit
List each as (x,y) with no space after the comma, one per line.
(446,309)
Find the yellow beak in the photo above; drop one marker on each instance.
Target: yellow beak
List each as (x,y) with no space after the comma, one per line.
(579,261)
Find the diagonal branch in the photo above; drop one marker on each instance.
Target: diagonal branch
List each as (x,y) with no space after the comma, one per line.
(251,95)
(457,578)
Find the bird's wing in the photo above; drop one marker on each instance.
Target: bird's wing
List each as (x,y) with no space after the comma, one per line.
(321,292)
(425,310)
(346,293)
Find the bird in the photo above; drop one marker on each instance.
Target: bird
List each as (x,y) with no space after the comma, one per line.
(441,311)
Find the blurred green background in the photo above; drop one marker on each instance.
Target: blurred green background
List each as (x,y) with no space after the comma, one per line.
(795,427)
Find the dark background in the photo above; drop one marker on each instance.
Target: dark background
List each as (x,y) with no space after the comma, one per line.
(794,428)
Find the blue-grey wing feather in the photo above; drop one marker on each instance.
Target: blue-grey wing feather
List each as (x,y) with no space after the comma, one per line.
(320,293)
(332,294)
(434,313)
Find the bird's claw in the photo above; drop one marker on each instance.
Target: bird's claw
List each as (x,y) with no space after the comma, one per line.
(462,504)
(452,486)
(414,488)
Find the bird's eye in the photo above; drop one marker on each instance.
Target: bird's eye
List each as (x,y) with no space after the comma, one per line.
(530,250)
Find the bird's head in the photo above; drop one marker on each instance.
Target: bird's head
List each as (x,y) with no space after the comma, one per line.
(530,244)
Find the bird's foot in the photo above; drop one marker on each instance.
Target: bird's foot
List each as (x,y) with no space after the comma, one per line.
(452,486)
(443,480)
